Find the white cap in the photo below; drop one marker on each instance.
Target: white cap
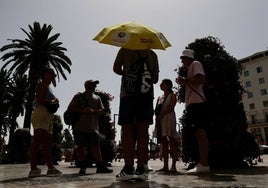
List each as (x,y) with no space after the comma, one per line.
(188,53)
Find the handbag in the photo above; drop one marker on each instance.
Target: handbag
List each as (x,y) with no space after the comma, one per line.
(52,107)
(196,92)
(158,109)
(158,134)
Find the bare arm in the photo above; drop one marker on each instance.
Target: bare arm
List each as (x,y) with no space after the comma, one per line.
(117,68)
(155,77)
(196,80)
(40,93)
(171,106)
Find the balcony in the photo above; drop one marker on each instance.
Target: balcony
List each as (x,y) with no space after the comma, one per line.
(257,121)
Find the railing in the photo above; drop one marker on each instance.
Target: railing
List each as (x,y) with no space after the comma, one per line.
(257,121)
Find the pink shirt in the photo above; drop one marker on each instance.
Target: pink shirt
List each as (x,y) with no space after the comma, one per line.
(191,96)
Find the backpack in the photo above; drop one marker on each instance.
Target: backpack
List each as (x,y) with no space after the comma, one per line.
(138,81)
(71,117)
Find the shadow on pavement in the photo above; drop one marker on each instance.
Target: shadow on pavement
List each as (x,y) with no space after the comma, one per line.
(135,184)
(258,170)
(44,180)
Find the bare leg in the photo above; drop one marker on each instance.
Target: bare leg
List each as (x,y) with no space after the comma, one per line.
(174,151)
(128,144)
(142,143)
(96,153)
(203,146)
(165,152)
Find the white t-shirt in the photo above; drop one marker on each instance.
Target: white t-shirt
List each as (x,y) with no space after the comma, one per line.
(191,96)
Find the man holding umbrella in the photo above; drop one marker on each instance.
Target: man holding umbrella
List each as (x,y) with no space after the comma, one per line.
(136,107)
(138,66)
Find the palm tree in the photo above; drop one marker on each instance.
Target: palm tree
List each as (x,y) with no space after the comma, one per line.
(4,101)
(18,90)
(32,55)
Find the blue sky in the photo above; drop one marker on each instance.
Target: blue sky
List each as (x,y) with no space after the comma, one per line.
(240,24)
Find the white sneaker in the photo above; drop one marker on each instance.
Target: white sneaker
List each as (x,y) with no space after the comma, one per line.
(125,175)
(199,169)
(147,168)
(140,174)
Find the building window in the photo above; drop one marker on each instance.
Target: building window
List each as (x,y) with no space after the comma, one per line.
(261,81)
(257,134)
(266,118)
(263,92)
(253,119)
(250,94)
(265,103)
(251,106)
(248,84)
(246,73)
(259,69)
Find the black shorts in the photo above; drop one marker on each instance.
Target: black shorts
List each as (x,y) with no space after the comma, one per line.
(197,115)
(87,139)
(136,108)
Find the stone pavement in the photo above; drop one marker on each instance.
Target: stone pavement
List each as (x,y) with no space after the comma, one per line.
(16,175)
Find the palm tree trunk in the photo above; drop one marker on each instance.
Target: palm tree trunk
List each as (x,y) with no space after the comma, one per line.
(29,105)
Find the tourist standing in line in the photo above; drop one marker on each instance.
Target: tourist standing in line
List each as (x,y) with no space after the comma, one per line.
(166,122)
(86,130)
(136,107)
(42,122)
(196,107)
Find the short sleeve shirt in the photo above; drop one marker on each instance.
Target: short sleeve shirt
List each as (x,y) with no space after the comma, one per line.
(127,57)
(191,96)
(87,122)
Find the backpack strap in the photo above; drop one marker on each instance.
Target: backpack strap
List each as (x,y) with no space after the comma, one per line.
(145,60)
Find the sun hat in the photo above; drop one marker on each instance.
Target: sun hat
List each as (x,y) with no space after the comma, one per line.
(187,53)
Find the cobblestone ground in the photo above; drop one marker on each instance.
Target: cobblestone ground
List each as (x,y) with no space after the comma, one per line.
(17,176)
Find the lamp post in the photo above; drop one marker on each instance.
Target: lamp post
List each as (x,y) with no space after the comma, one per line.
(116,115)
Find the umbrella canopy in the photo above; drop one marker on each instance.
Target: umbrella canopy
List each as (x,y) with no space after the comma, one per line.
(133,36)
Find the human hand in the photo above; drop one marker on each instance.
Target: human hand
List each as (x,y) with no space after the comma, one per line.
(55,100)
(181,80)
(88,110)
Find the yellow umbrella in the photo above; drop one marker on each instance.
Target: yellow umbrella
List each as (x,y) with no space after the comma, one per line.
(133,36)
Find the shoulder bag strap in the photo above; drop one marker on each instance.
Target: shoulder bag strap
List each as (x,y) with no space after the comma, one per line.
(196,92)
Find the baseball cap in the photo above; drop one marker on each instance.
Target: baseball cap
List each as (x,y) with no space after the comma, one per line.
(91,82)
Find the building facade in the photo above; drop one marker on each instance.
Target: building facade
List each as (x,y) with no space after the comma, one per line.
(254,79)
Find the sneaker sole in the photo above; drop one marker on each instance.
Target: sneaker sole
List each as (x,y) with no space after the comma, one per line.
(197,173)
(125,178)
(53,175)
(36,176)
(140,177)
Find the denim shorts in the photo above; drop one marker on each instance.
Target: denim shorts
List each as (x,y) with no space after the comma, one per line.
(136,108)
(197,115)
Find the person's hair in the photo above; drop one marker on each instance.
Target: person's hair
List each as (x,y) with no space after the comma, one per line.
(46,70)
(169,83)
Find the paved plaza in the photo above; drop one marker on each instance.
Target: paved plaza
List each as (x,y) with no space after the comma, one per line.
(16,175)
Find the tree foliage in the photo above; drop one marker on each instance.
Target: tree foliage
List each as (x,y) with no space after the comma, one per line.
(106,128)
(32,55)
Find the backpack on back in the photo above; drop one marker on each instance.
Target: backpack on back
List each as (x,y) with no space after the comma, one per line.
(138,80)
(71,117)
